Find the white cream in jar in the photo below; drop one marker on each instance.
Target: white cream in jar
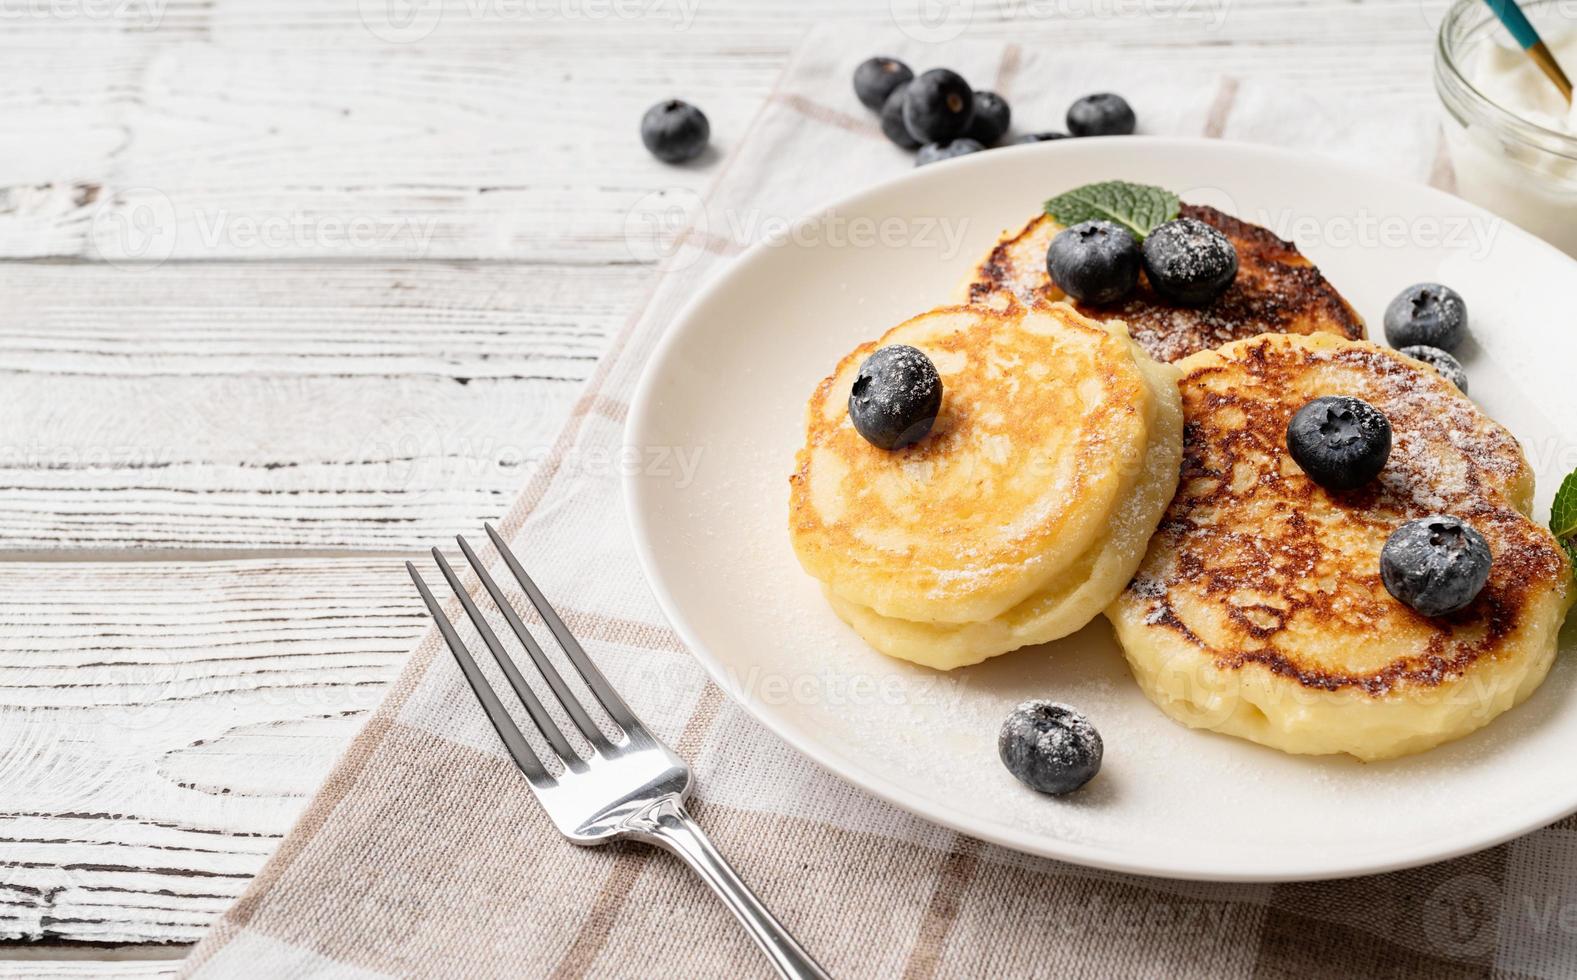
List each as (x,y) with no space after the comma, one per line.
(1527,177)
(1511,80)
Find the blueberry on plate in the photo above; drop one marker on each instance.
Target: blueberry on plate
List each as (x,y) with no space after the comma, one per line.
(1449,367)
(1436,565)
(675,131)
(1041,137)
(1102,114)
(896,397)
(1188,262)
(892,120)
(1050,747)
(1340,441)
(1095,262)
(938,106)
(875,79)
(933,152)
(1426,313)
(991,120)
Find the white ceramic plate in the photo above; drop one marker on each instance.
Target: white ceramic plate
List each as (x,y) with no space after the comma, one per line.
(731,378)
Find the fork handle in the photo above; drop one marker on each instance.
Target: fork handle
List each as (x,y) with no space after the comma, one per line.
(668,825)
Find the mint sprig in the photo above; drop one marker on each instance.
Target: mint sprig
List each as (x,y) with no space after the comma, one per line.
(1563,516)
(1140,208)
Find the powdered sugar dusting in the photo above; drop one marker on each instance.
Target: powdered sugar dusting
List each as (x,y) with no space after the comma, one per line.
(1261,555)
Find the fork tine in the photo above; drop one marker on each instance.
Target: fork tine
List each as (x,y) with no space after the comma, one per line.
(611,702)
(539,716)
(519,748)
(550,673)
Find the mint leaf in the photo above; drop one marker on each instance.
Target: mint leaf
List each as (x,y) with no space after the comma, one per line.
(1563,516)
(1137,207)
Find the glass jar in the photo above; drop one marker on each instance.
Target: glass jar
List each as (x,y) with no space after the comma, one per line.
(1522,170)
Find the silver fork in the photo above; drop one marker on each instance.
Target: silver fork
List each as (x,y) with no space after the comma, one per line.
(627,789)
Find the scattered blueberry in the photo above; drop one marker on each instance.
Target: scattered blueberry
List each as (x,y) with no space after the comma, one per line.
(675,131)
(892,120)
(1437,565)
(896,397)
(1095,262)
(991,120)
(938,106)
(933,152)
(1427,313)
(1041,137)
(1050,747)
(1340,441)
(876,78)
(1102,114)
(1449,367)
(1188,262)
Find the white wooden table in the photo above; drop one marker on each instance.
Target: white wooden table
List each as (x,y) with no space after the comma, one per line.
(293,288)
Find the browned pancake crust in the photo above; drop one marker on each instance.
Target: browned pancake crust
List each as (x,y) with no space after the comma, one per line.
(1290,541)
(1277,290)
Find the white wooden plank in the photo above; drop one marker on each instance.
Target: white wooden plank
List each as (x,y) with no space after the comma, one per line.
(453,23)
(277,130)
(345,406)
(206,151)
(166,722)
(87,969)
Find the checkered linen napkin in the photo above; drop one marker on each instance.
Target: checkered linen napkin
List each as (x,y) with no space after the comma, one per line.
(424,855)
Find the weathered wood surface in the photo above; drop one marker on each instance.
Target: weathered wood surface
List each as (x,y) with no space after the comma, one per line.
(165,721)
(346,406)
(499,129)
(87,968)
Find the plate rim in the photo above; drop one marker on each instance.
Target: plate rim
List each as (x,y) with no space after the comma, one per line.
(941,813)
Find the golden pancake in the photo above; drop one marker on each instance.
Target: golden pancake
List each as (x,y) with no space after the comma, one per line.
(1074,596)
(1044,427)
(1259,610)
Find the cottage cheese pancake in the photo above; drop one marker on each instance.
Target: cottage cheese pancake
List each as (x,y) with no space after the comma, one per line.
(1276,289)
(1045,424)
(1074,596)
(1259,610)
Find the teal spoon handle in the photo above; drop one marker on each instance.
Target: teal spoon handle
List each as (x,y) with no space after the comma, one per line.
(1528,39)
(1516,22)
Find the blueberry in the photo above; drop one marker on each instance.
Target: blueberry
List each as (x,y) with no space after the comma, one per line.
(1427,313)
(892,120)
(1102,114)
(1188,262)
(1041,137)
(876,78)
(896,397)
(1340,441)
(1449,367)
(938,106)
(1436,565)
(1095,262)
(991,120)
(1050,747)
(675,131)
(933,152)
